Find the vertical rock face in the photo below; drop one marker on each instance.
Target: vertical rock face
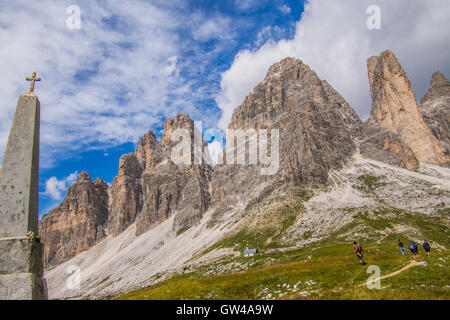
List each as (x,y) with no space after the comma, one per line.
(77,223)
(394,107)
(380,144)
(126,194)
(149,152)
(316,127)
(435,108)
(169,188)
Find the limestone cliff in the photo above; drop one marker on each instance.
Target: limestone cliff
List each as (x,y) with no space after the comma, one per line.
(378,143)
(435,108)
(394,108)
(126,194)
(169,188)
(77,223)
(317,129)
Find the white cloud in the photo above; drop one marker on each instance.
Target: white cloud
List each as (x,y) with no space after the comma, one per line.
(216,27)
(129,54)
(333,39)
(245,5)
(54,188)
(267,34)
(285,9)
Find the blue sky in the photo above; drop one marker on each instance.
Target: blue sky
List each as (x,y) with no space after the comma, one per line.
(134,64)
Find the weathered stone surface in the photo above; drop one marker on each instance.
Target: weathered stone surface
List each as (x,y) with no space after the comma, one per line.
(77,223)
(168,188)
(435,108)
(18,255)
(383,145)
(440,87)
(21,264)
(395,108)
(22,286)
(126,194)
(19,173)
(149,152)
(316,132)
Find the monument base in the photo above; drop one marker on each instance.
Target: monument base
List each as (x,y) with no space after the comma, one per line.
(22,286)
(21,269)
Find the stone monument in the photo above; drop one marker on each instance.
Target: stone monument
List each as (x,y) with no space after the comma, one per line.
(21,253)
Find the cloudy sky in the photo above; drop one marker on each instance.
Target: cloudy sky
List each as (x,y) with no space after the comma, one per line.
(133,64)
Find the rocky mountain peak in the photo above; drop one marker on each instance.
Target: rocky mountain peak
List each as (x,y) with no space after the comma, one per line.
(394,108)
(181,121)
(77,223)
(83,177)
(435,108)
(149,151)
(316,129)
(440,87)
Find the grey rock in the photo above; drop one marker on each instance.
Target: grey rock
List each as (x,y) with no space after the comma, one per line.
(435,108)
(380,144)
(78,222)
(168,188)
(317,129)
(394,107)
(126,194)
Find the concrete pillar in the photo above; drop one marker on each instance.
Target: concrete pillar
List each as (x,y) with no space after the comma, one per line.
(21,259)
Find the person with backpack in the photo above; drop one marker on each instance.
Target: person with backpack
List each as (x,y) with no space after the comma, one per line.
(358,250)
(414,250)
(427,248)
(402,248)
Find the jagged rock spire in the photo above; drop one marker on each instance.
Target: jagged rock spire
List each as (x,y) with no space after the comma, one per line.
(395,108)
(440,87)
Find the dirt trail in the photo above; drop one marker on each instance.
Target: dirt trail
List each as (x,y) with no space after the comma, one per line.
(393,274)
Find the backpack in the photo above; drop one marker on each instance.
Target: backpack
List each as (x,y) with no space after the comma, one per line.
(426,246)
(412,247)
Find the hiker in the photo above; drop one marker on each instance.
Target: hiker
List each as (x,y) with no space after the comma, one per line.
(414,250)
(427,248)
(358,251)
(402,248)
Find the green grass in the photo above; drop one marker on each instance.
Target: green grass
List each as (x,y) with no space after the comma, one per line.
(334,268)
(330,263)
(182,230)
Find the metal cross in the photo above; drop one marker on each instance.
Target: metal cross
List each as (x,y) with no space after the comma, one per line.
(32,79)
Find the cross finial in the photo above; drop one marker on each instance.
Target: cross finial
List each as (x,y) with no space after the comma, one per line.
(32,79)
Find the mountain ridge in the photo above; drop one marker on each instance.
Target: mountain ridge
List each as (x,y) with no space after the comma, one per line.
(319,135)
